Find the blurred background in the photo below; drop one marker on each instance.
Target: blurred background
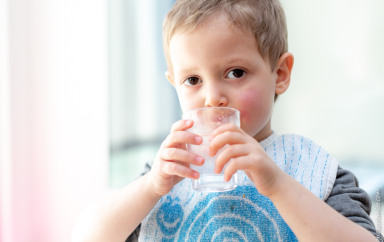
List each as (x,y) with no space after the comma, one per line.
(84,102)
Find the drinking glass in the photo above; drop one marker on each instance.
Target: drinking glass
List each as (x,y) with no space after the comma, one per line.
(206,120)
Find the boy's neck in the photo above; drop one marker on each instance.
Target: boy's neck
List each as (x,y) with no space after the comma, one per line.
(264,133)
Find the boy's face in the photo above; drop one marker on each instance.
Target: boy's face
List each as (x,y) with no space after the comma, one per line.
(218,64)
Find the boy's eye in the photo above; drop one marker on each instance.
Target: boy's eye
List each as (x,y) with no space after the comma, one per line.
(191,81)
(235,73)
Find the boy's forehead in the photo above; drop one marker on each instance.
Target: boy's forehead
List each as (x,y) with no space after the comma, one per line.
(217,41)
(212,21)
(217,18)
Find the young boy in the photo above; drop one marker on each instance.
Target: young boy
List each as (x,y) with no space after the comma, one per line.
(234,54)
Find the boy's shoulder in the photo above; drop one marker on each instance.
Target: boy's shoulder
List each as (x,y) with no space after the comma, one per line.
(304,160)
(288,140)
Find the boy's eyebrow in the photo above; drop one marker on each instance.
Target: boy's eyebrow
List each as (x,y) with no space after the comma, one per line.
(185,70)
(242,62)
(238,59)
(234,61)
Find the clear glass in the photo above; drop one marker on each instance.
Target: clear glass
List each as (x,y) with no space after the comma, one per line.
(206,120)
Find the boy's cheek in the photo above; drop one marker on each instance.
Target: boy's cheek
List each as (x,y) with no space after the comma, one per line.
(187,103)
(254,109)
(185,107)
(248,104)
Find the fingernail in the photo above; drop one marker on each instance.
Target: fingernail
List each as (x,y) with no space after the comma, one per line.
(200,160)
(188,122)
(196,174)
(198,139)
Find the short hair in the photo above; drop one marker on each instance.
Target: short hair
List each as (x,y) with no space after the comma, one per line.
(265,18)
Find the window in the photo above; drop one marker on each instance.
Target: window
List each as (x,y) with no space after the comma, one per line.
(143,104)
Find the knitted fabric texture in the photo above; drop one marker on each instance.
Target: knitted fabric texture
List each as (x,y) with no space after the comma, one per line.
(242,214)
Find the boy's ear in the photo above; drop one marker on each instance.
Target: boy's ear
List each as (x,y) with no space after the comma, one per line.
(169,77)
(283,70)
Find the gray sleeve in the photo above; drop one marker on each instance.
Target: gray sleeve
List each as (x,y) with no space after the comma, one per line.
(147,168)
(351,201)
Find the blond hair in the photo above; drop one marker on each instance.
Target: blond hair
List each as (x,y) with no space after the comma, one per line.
(265,18)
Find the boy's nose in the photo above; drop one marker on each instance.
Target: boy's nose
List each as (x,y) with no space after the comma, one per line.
(215,97)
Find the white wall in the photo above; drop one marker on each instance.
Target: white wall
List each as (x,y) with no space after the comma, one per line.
(337,90)
(54,115)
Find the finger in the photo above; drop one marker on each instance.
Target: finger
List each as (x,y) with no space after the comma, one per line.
(176,169)
(228,153)
(222,139)
(182,137)
(182,125)
(226,127)
(238,163)
(174,154)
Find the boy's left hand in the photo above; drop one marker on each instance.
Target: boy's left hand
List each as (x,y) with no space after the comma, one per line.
(243,152)
(305,214)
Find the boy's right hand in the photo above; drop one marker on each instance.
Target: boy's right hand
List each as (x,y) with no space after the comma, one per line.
(172,161)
